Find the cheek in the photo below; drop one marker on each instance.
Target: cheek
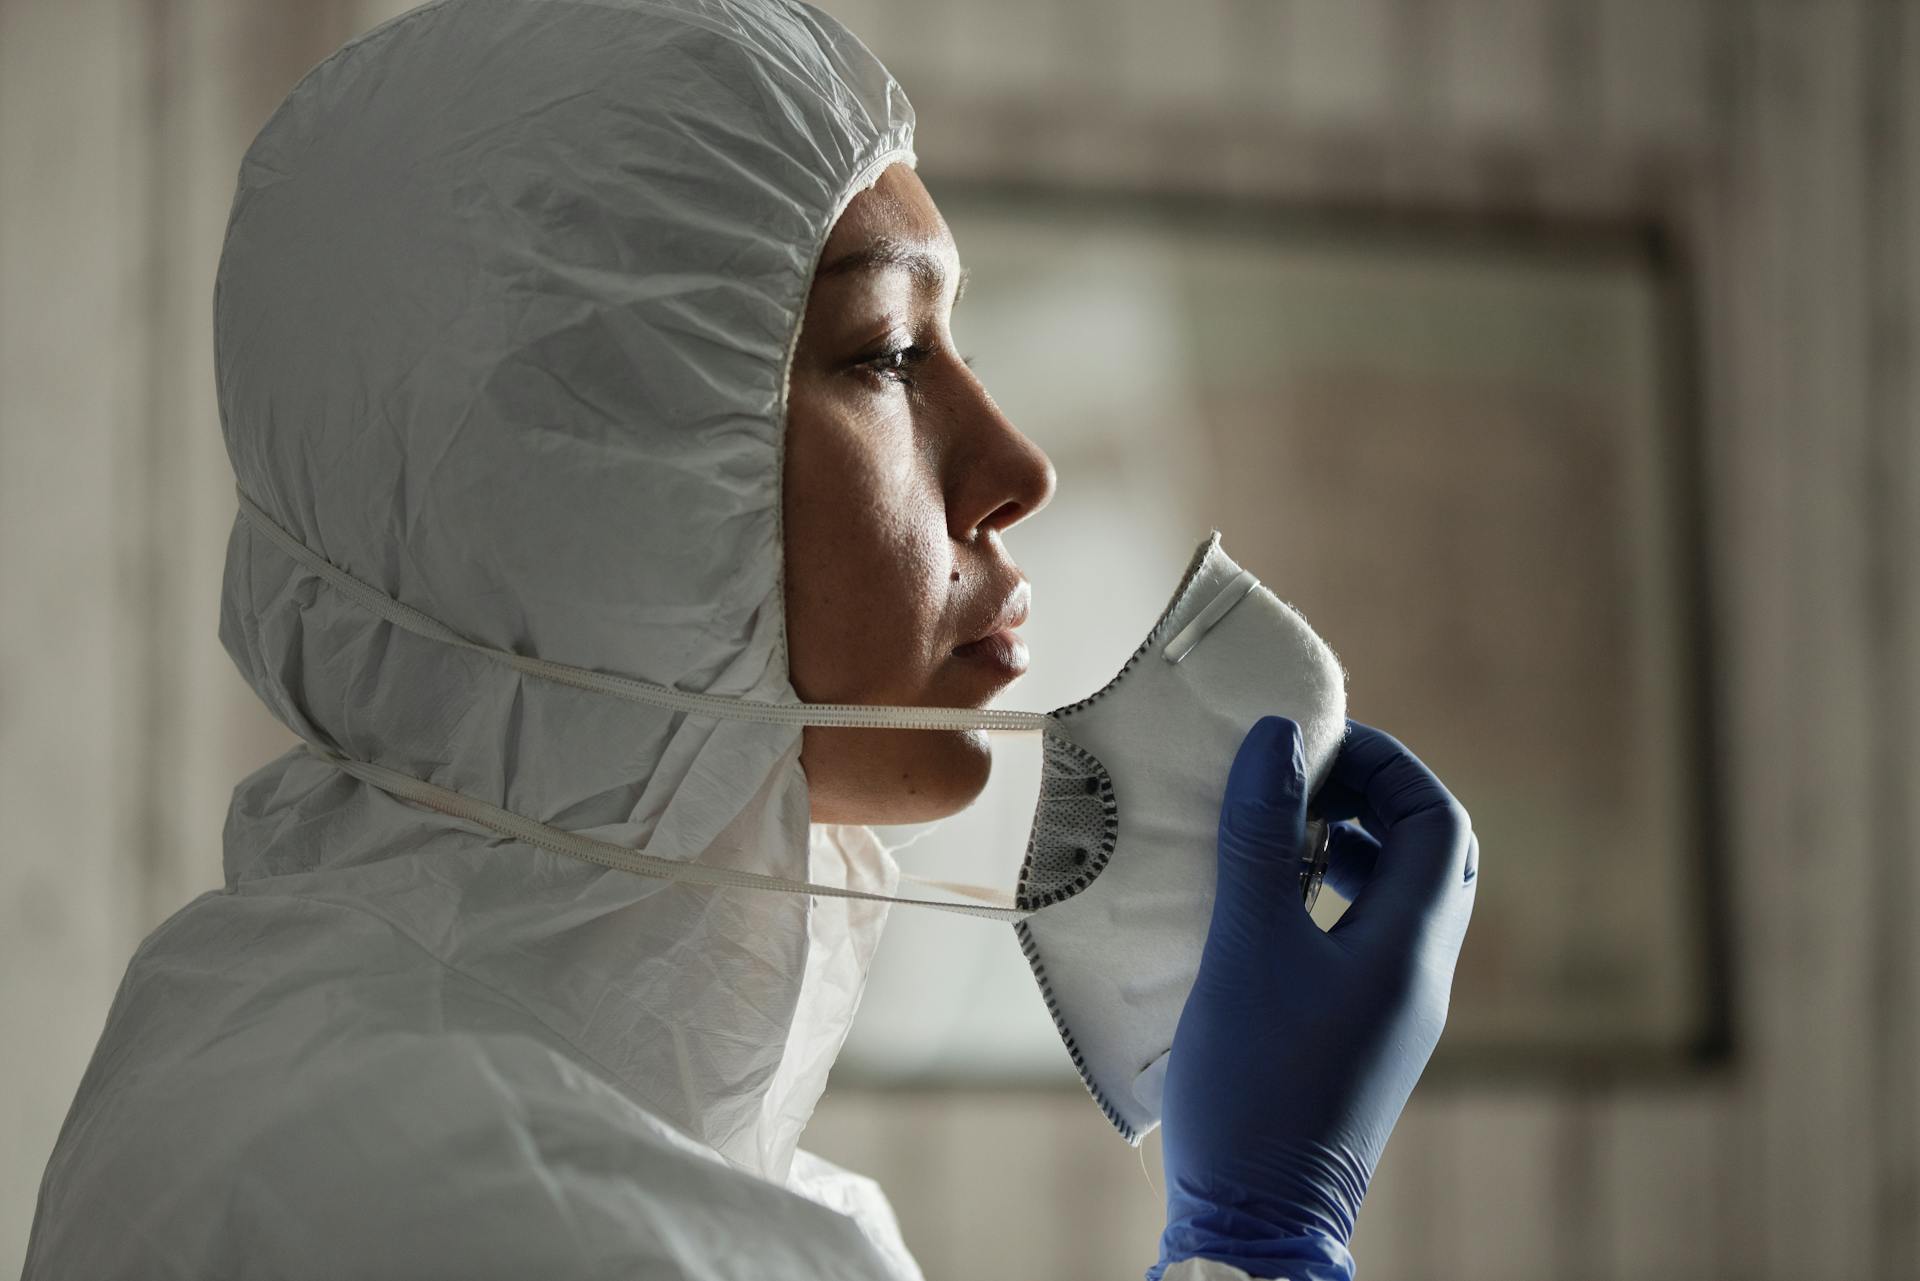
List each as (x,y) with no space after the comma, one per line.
(868,561)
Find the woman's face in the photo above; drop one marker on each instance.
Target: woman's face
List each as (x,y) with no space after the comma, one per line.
(901,474)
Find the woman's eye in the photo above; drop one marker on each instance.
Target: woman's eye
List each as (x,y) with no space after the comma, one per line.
(897,365)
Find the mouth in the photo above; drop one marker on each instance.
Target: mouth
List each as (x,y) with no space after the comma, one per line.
(1001,648)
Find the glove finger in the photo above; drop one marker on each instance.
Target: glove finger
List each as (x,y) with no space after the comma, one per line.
(1263,819)
(1421,869)
(1351,855)
(1335,801)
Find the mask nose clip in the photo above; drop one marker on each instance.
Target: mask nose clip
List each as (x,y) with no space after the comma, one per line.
(1237,589)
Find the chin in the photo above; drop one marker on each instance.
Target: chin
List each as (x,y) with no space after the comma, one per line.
(891,776)
(959,762)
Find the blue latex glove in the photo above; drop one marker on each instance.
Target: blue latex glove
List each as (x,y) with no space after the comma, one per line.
(1298,1047)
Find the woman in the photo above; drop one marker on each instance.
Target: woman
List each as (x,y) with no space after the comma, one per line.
(613,335)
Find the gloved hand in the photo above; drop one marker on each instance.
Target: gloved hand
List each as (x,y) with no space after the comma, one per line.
(1297,1048)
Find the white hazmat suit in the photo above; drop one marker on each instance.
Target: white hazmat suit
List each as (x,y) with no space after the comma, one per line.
(502,325)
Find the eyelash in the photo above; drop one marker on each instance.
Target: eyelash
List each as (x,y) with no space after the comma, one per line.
(911,355)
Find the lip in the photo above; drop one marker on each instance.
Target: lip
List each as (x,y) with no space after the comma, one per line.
(1002,651)
(997,651)
(1012,614)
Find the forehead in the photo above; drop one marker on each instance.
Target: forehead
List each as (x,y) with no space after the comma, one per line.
(893,217)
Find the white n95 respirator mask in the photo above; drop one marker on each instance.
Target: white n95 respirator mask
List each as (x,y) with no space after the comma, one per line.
(1119,873)
(1115,894)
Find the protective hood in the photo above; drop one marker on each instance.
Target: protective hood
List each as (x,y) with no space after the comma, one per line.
(502,326)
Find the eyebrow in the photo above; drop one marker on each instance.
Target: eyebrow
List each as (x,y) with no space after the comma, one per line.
(885,251)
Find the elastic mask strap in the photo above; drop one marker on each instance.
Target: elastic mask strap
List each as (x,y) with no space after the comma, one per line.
(620,858)
(718,706)
(986,894)
(997,906)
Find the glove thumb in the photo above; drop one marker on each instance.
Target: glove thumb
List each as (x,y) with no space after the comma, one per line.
(1263,822)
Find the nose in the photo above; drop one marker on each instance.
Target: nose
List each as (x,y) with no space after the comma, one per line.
(998,477)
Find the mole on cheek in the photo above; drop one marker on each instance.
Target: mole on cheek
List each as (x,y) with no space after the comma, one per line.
(956,576)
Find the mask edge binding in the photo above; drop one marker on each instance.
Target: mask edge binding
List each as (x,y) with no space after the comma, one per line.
(1106,1106)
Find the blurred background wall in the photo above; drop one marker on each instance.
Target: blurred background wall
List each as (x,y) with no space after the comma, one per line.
(1680,233)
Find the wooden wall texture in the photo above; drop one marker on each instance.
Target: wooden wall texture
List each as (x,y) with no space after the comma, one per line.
(1779,139)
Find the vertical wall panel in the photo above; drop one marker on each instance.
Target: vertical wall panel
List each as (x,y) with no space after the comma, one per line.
(1172,57)
(71,364)
(1495,65)
(1816,871)
(1663,1196)
(1796,373)
(1498,1208)
(1652,61)
(1893,163)
(1335,62)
